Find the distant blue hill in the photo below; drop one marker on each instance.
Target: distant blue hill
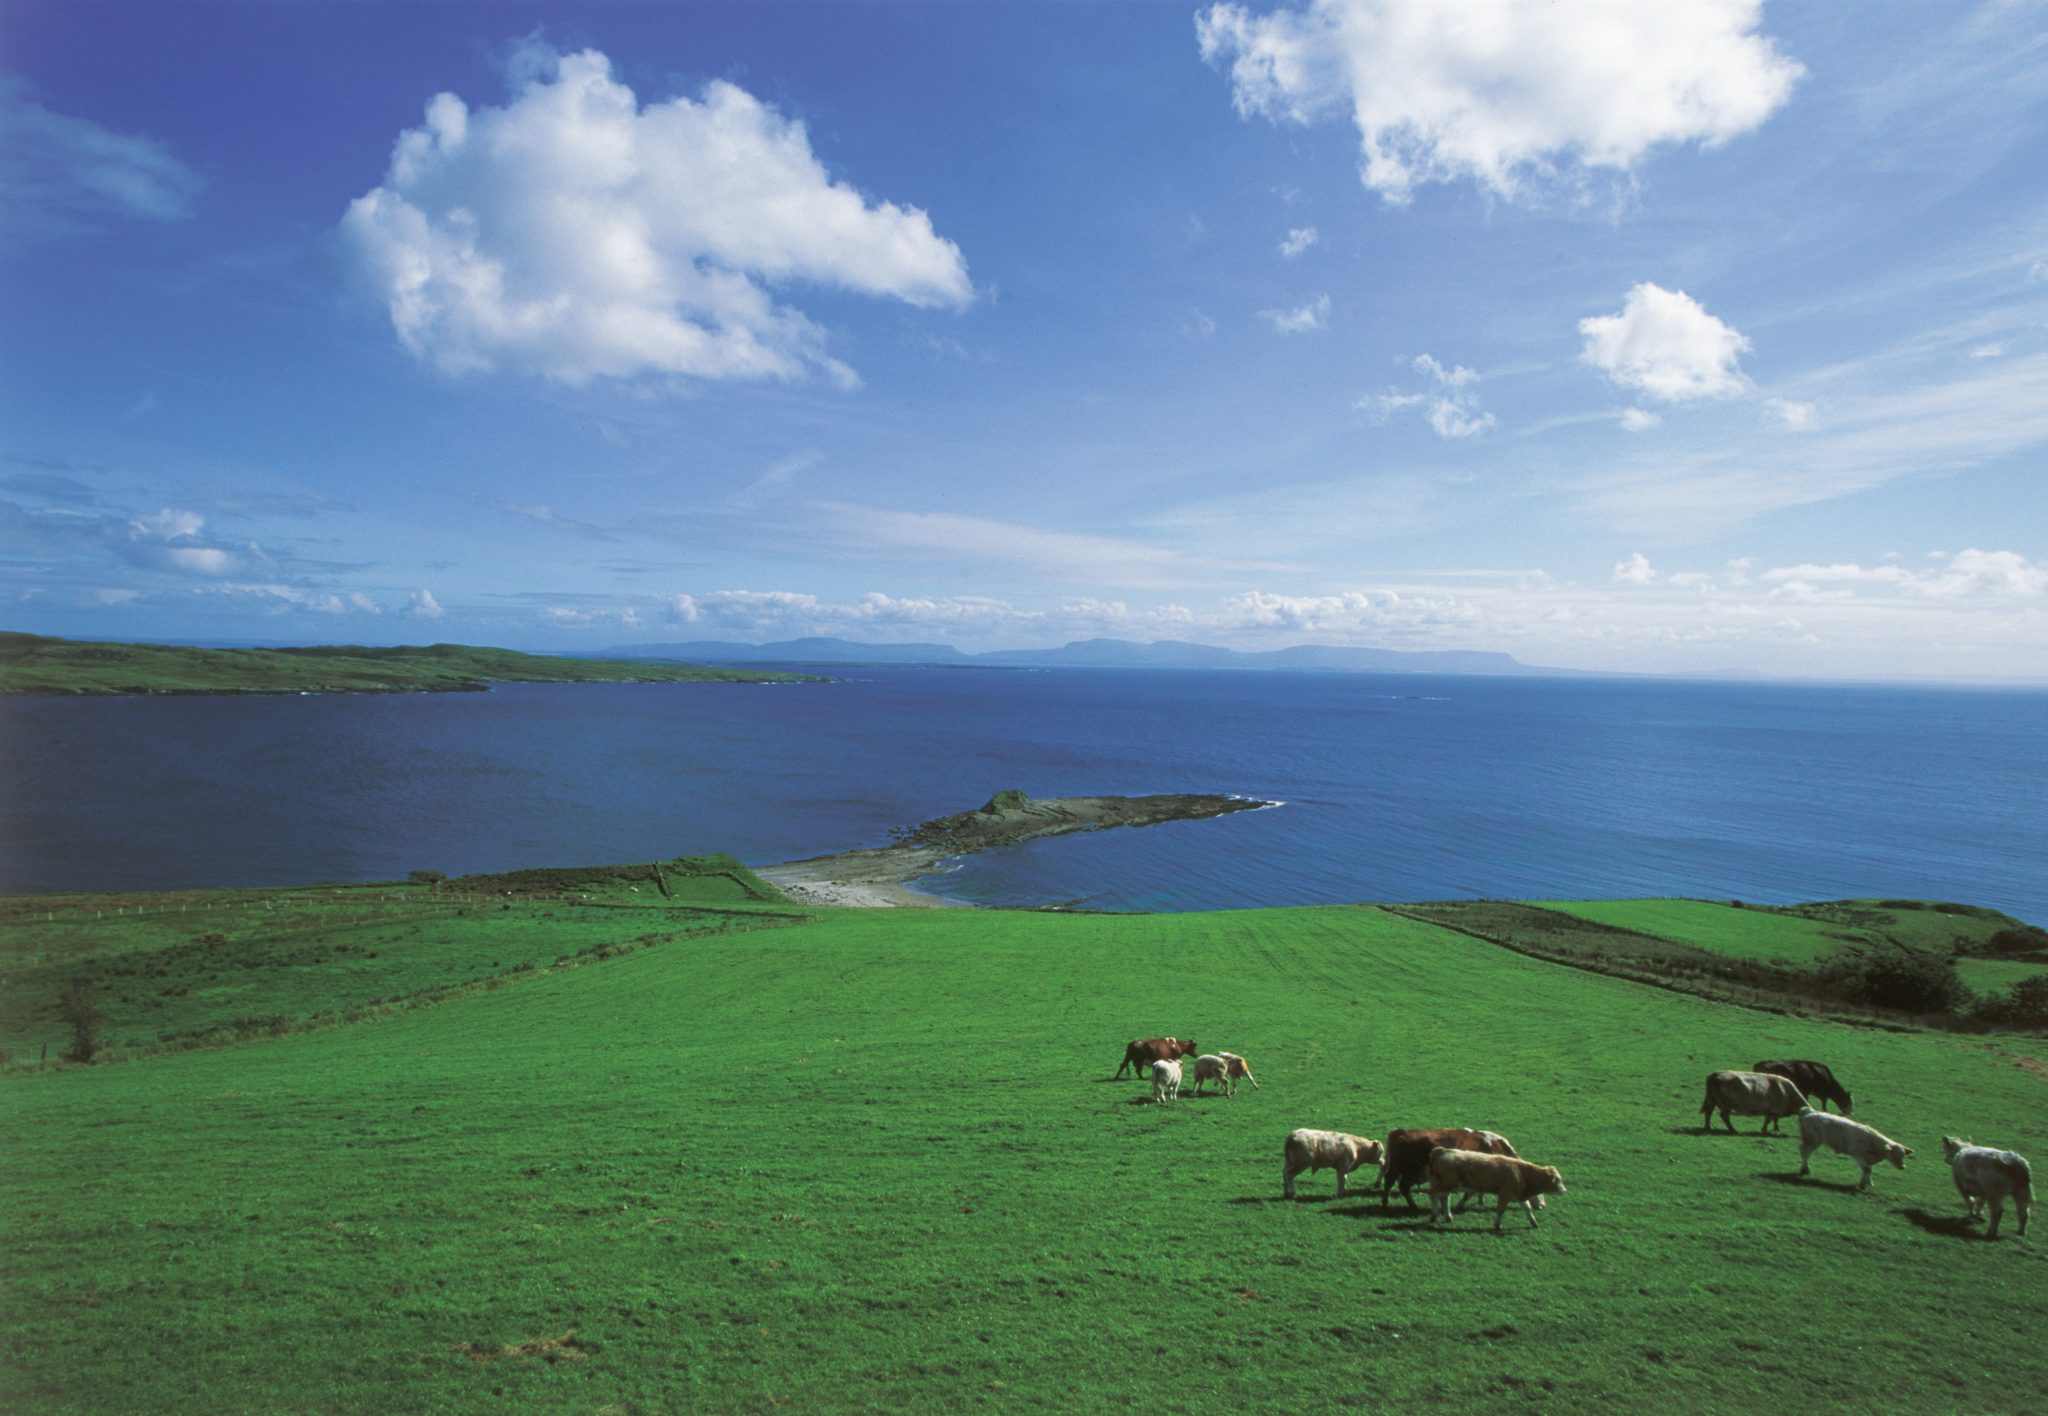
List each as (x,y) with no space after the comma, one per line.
(1090,654)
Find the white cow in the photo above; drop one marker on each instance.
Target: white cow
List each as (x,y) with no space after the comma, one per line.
(1326,1150)
(1863,1144)
(1210,1067)
(1983,1174)
(1165,1081)
(1239,1069)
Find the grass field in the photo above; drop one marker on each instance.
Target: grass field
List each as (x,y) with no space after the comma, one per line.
(874,1162)
(1764,936)
(34,663)
(1997,975)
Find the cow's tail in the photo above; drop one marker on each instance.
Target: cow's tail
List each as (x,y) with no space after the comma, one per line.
(1126,1063)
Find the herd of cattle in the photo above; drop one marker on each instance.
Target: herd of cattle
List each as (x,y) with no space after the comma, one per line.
(1462,1162)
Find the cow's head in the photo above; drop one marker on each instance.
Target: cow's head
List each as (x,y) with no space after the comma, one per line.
(1896,1154)
(1951,1147)
(1551,1183)
(1847,1105)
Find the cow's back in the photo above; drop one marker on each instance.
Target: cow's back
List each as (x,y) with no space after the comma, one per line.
(1407,1149)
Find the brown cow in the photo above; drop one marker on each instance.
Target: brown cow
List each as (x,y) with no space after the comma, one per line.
(1510,1181)
(1764,1094)
(1143,1052)
(1407,1155)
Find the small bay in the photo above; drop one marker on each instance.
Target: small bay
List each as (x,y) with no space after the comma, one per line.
(1394,787)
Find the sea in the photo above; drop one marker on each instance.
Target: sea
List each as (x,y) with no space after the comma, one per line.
(1384,787)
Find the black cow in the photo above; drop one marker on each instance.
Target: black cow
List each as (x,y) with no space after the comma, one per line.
(1813,1078)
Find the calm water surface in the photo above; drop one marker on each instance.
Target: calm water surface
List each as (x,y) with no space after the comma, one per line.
(1396,788)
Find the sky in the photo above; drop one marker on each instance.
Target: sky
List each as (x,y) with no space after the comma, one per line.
(1705,336)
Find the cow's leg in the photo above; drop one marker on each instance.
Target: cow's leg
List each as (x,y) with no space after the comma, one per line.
(1287,1174)
(1864,1183)
(1726,1122)
(1500,1211)
(1997,1213)
(1532,1213)
(1806,1150)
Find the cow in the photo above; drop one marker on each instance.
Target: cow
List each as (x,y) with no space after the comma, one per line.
(1408,1149)
(1141,1053)
(1165,1081)
(1325,1150)
(1510,1180)
(1983,1174)
(1240,1070)
(1762,1094)
(1211,1067)
(1863,1144)
(1812,1078)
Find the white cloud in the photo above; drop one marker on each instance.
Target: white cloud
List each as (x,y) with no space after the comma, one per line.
(172,541)
(1993,350)
(575,234)
(424,606)
(1971,574)
(1635,570)
(1299,239)
(1795,415)
(1502,91)
(1452,407)
(1304,319)
(1199,326)
(62,176)
(1639,420)
(1665,345)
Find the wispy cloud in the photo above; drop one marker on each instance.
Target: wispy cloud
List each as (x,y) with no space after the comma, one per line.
(63,176)
(1299,239)
(1303,319)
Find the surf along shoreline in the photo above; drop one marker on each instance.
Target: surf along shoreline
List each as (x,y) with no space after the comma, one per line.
(880,877)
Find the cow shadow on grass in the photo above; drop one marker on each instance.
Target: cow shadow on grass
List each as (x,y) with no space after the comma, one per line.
(1283,1199)
(1695,1132)
(1806,1182)
(1949,1226)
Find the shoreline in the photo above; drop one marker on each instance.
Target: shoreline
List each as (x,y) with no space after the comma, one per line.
(880,877)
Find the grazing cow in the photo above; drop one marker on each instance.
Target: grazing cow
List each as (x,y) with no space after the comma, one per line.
(1750,1094)
(1165,1081)
(1325,1150)
(1407,1162)
(1211,1067)
(1140,1054)
(1984,1174)
(1863,1144)
(1812,1078)
(1240,1070)
(1511,1181)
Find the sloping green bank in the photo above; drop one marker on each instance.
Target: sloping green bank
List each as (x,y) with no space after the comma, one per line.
(875,1162)
(32,663)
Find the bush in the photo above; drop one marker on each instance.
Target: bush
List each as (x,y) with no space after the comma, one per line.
(427,877)
(2024,1005)
(1907,980)
(78,1005)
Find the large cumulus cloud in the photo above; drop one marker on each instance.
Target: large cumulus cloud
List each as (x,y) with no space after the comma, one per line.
(576,234)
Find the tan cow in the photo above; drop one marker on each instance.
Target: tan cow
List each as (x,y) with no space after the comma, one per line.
(1325,1150)
(1240,1070)
(1510,1180)
(1750,1094)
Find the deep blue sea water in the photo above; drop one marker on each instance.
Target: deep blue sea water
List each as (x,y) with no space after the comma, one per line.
(1395,787)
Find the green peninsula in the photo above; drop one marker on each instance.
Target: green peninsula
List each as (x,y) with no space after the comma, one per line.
(33,663)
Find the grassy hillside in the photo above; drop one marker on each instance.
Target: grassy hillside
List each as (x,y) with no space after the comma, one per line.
(171,968)
(1766,936)
(31,663)
(874,1162)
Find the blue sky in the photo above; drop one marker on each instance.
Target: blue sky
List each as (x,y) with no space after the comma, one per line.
(1699,336)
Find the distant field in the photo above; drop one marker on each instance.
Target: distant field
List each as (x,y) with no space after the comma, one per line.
(1760,935)
(33,663)
(875,1162)
(173,966)
(1997,975)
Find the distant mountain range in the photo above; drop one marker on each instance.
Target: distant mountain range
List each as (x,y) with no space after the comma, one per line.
(1090,654)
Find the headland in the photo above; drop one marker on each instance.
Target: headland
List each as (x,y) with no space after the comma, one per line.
(880,877)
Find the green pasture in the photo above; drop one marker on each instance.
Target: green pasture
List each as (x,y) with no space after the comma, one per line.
(34,663)
(170,967)
(875,1162)
(1997,975)
(1762,936)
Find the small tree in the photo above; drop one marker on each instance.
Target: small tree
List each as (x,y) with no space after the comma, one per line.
(78,1004)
